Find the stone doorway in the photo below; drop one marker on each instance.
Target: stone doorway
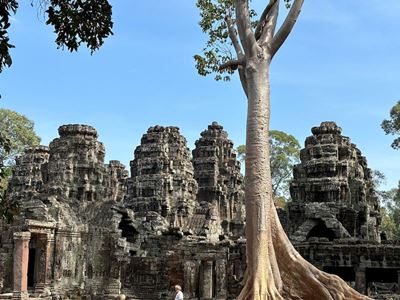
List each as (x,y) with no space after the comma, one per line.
(32,258)
(31,268)
(382,281)
(37,261)
(207,280)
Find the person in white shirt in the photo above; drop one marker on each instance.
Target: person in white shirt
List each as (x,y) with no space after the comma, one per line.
(179,294)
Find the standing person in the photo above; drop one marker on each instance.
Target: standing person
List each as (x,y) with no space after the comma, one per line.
(179,294)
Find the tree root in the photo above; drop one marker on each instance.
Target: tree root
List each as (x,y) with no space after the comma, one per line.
(299,280)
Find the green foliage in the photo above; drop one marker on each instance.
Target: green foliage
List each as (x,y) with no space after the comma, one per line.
(80,21)
(284,154)
(4,174)
(16,134)
(74,21)
(19,132)
(7,7)
(215,16)
(241,151)
(391,212)
(219,48)
(392,126)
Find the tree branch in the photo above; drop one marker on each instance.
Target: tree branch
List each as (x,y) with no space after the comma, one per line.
(287,26)
(263,18)
(246,34)
(233,37)
(232,64)
(268,30)
(243,80)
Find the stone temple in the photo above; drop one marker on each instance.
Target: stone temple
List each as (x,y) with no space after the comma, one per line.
(89,230)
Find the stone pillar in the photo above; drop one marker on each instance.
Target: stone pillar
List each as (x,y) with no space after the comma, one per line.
(220,285)
(21,258)
(45,262)
(49,258)
(191,278)
(361,281)
(207,279)
(113,286)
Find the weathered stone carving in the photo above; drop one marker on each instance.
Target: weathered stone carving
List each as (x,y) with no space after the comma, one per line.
(85,229)
(333,188)
(334,217)
(161,182)
(221,190)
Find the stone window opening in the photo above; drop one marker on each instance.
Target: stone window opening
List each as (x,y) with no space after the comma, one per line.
(80,193)
(128,230)
(321,231)
(89,195)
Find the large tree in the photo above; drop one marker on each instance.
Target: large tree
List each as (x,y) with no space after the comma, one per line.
(16,134)
(19,131)
(275,270)
(5,148)
(392,125)
(74,21)
(391,212)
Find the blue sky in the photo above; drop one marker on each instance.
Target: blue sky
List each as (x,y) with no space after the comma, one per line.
(341,63)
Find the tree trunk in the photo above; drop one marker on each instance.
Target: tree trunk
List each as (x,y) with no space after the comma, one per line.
(290,276)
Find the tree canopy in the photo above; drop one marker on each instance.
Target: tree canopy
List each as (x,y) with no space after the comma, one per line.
(392,125)
(19,131)
(391,213)
(75,22)
(5,148)
(16,134)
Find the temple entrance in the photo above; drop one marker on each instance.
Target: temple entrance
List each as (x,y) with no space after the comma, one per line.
(36,261)
(382,281)
(207,280)
(31,268)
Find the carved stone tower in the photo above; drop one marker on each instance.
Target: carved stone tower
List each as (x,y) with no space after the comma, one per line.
(162,181)
(217,172)
(332,190)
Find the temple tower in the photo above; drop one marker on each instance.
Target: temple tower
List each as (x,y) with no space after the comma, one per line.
(332,189)
(29,174)
(217,172)
(161,179)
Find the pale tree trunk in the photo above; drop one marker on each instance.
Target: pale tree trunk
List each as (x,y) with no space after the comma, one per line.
(275,270)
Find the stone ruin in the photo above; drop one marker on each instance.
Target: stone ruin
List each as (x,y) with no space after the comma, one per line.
(89,230)
(86,229)
(333,219)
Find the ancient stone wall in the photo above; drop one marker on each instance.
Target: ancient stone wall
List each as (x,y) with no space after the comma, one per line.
(104,233)
(332,189)
(86,230)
